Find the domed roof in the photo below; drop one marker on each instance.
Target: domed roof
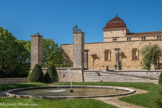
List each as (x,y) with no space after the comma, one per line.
(115,23)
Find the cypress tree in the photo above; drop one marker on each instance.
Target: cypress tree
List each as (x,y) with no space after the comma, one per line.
(51,71)
(36,75)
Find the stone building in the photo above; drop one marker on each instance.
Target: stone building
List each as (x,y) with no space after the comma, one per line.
(120,48)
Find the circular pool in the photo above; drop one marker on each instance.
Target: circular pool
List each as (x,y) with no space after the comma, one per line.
(64,92)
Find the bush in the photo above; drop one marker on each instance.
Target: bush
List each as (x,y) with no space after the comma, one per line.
(150,55)
(160,79)
(53,76)
(36,75)
(47,78)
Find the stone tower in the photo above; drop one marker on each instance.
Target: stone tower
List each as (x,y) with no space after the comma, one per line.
(78,48)
(36,50)
(115,29)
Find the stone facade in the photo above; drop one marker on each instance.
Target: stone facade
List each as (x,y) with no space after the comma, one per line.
(125,54)
(116,35)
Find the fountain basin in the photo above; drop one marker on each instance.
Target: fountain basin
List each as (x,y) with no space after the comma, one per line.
(63,92)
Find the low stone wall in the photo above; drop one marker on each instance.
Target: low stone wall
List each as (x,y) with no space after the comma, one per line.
(121,76)
(76,74)
(152,74)
(12,80)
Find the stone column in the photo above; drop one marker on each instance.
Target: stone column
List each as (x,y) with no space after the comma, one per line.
(78,48)
(36,50)
(117,58)
(86,59)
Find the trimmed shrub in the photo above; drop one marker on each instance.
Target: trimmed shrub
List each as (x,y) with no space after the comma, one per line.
(160,79)
(53,76)
(47,78)
(36,75)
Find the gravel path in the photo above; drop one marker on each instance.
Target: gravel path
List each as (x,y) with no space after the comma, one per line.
(121,104)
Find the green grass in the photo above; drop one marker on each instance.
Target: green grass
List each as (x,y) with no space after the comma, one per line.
(147,99)
(46,103)
(20,85)
(54,103)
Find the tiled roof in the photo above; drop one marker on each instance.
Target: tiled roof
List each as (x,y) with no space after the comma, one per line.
(154,33)
(115,23)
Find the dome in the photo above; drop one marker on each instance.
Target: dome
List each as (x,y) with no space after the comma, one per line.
(115,23)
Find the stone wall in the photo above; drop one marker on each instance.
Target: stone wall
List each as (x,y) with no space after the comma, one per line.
(12,80)
(76,74)
(99,48)
(121,76)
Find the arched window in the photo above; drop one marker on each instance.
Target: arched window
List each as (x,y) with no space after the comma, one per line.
(135,54)
(107,55)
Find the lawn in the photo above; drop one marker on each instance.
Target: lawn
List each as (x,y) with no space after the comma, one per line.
(20,85)
(54,103)
(46,103)
(147,100)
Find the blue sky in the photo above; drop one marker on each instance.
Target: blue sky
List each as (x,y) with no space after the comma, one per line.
(55,18)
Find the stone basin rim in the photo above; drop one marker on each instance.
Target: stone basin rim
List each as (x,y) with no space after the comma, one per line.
(127,91)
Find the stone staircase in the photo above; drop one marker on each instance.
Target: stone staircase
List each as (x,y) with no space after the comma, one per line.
(99,76)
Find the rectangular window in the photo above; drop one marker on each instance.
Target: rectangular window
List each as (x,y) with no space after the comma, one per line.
(128,39)
(143,38)
(158,37)
(135,54)
(114,39)
(107,55)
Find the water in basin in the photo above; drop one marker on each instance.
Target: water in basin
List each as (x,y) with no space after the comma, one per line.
(66,92)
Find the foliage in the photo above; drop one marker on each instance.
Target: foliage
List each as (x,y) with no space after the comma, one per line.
(51,52)
(36,75)
(150,55)
(160,79)
(47,78)
(62,65)
(51,71)
(14,58)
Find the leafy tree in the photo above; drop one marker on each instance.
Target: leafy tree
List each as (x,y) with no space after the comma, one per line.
(51,52)
(150,56)
(53,76)
(36,75)
(13,59)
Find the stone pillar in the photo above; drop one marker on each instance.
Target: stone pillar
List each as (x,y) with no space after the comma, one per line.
(86,59)
(117,58)
(78,48)
(36,50)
